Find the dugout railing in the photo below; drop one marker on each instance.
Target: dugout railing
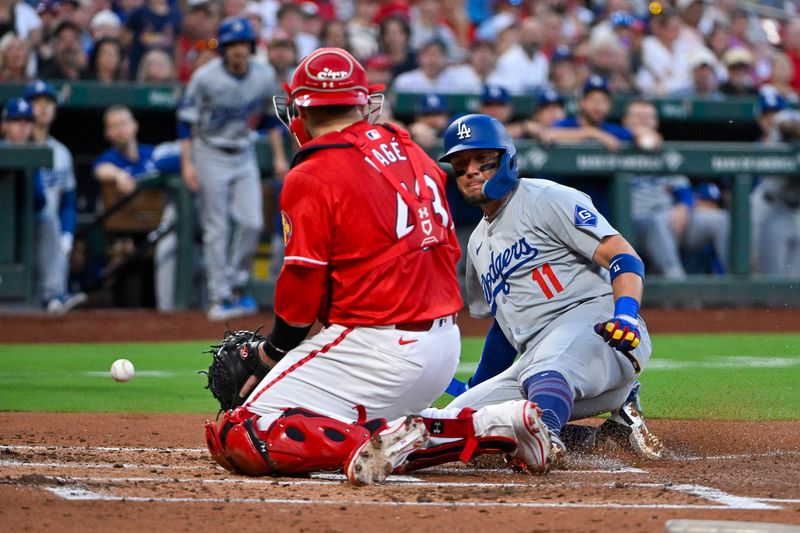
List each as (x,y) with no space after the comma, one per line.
(17,231)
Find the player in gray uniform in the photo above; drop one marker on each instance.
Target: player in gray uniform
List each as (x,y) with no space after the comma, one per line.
(56,222)
(224,100)
(665,215)
(775,202)
(533,265)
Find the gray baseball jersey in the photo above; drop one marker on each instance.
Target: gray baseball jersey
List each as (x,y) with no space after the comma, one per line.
(533,262)
(775,205)
(785,189)
(58,179)
(531,267)
(53,264)
(223,109)
(654,193)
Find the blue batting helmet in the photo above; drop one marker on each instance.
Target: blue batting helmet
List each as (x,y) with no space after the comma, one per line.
(475,132)
(236,30)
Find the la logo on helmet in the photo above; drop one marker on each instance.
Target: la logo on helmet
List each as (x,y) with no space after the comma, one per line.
(464,132)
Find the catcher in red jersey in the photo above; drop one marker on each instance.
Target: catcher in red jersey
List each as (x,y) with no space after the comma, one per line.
(371,254)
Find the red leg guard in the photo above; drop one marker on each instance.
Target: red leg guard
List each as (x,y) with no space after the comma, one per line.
(461,450)
(298,442)
(453,451)
(215,438)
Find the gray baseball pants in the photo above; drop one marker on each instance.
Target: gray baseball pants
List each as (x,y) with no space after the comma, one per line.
(230,191)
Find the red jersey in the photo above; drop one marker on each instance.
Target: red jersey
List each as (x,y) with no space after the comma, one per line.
(389,254)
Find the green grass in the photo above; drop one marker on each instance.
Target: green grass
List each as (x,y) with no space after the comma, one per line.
(76,377)
(720,376)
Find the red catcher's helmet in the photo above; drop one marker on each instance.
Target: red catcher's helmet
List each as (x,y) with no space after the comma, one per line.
(327,77)
(330,76)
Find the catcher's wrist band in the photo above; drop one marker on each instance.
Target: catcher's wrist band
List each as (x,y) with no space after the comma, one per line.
(262,369)
(272,351)
(622,263)
(284,337)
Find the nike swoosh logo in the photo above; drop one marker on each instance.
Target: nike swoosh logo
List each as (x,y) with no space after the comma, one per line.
(403,341)
(478,249)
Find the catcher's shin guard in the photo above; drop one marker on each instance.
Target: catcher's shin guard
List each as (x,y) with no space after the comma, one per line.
(467,445)
(513,428)
(216,437)
(298,442)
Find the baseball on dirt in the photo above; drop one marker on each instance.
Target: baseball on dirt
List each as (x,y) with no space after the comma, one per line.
(122,370)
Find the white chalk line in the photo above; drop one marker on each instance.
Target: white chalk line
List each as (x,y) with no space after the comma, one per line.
(717,495)
(20,447)
(726,457)
(336,479)
(120,449)
(87,495)
(700,491)
(120,466)
(469,471)
(718,362)
(707,493)
(153,466)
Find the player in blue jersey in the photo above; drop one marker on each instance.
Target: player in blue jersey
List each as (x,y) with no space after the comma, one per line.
(125,163)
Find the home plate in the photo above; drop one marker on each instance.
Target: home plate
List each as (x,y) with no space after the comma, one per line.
(726,526)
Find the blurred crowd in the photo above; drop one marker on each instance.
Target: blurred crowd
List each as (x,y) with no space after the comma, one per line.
(678,47)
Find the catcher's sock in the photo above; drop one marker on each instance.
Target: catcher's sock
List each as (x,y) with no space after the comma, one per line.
(551,392)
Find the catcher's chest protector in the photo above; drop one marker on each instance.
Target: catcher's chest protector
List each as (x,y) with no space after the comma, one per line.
(298,442)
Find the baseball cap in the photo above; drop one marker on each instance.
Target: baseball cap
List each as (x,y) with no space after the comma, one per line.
(38,88)
(431,103)
(595,83)
(702,56)
(709,192)
(549,97)
(769,99)
(737,56)
(105,17)
(495,94)
(17,109)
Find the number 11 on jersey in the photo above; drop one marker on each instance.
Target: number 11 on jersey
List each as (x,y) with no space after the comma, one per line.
(546,279)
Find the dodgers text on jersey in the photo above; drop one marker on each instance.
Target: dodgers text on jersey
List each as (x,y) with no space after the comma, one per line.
(501,266)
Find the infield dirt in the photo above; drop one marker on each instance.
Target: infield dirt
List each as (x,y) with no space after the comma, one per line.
(129,472)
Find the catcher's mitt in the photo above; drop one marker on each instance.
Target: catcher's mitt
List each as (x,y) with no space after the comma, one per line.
(235,360)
